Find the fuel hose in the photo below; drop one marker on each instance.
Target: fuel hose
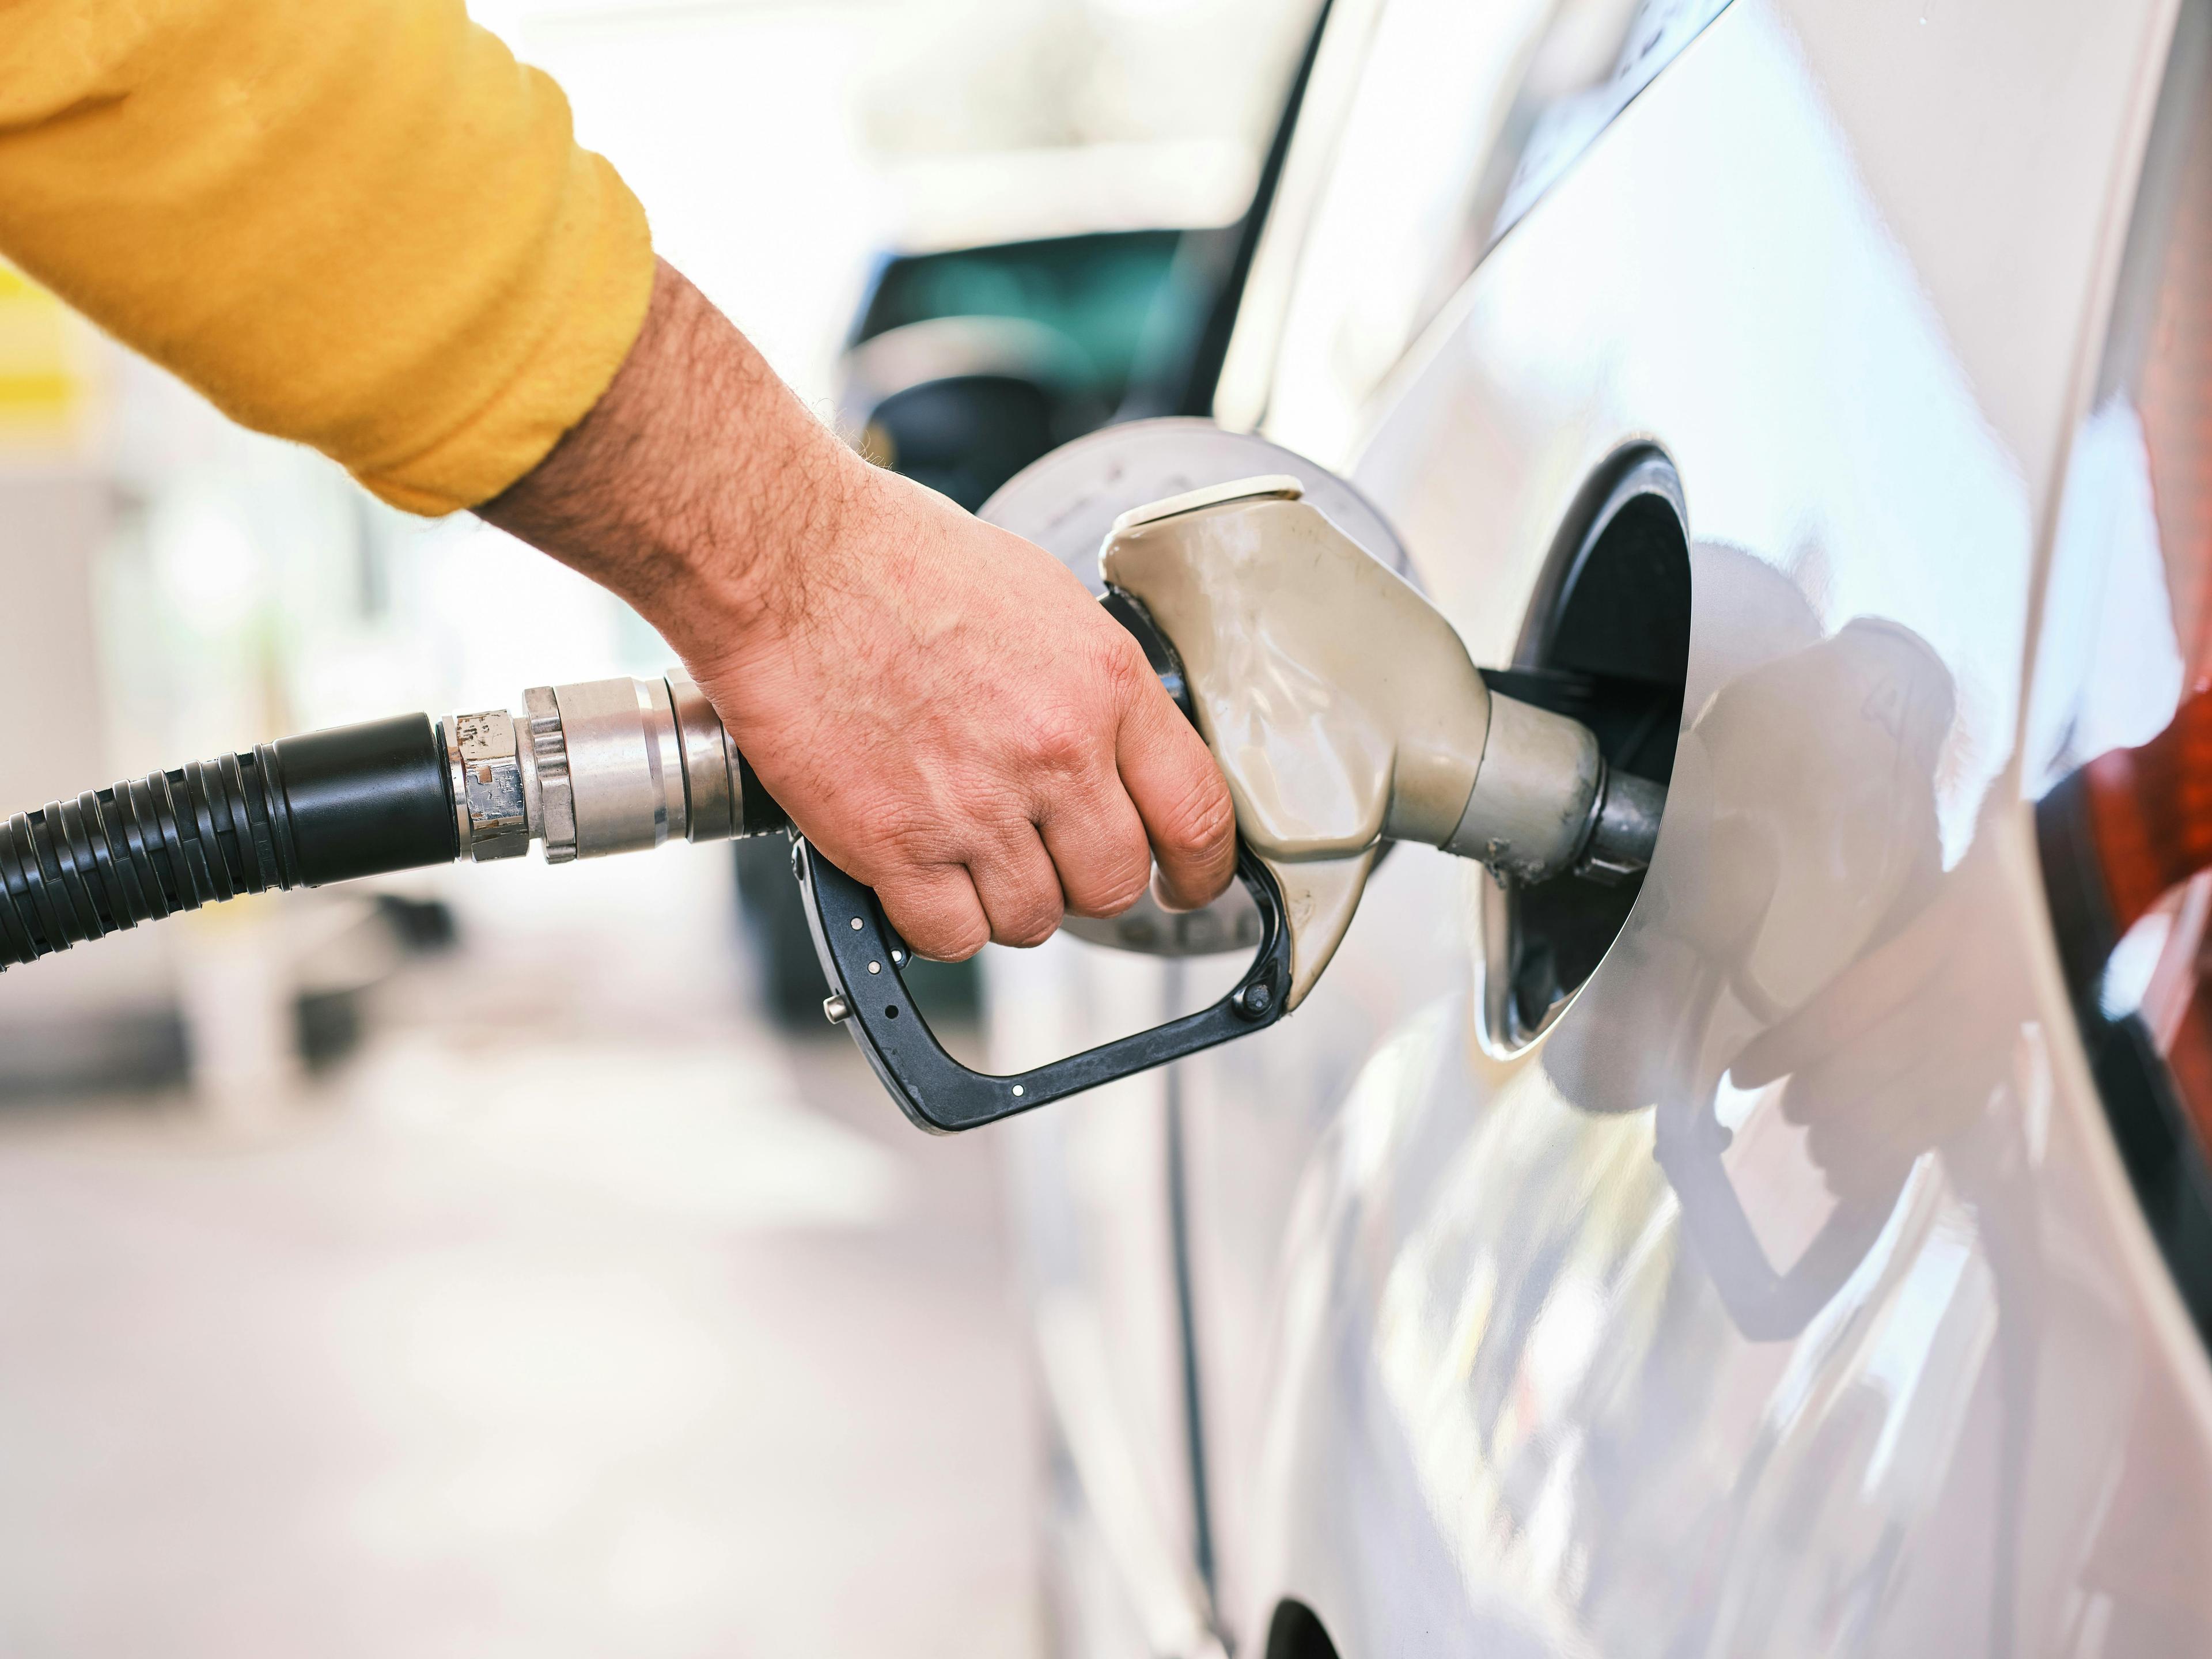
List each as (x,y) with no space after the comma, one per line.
(360,800)
(596,768)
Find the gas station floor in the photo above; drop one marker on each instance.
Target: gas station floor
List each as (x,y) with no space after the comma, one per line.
(635,1334)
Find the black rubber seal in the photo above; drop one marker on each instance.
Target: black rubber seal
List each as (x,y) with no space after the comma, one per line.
(367,799)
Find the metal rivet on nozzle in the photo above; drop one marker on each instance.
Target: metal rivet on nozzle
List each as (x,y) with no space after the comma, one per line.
(875,967)
(836,1009)
(856,924)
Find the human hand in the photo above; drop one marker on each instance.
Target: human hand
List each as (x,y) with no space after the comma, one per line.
(955,722)
(939,705)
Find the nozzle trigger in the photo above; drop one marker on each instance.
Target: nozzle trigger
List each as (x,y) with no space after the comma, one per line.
(864,960)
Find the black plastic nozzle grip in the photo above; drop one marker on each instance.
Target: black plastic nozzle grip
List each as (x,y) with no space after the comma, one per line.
(863,958)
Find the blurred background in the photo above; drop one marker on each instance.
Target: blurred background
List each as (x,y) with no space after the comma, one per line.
(507,1258)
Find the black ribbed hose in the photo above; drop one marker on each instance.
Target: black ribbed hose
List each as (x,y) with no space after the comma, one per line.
(356,800)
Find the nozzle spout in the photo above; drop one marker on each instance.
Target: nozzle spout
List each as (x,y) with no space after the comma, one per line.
(1626,828)
(1346,712)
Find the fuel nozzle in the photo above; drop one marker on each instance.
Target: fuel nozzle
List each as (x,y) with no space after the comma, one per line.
(1345,712)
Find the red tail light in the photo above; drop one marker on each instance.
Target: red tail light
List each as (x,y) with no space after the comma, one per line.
(2127,838)
(2149,813)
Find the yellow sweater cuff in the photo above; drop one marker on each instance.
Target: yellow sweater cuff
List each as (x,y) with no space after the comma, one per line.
(596,302)
(360,224)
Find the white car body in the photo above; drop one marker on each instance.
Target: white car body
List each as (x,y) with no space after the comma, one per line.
(1472,1345)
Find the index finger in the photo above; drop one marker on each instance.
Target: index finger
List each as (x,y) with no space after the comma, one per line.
(1183,799)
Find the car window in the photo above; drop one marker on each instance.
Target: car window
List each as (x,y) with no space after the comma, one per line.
(1434,85)
(1561,120)
(1463,116)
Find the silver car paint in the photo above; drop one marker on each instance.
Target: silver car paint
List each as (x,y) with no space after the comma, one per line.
(1522,1353)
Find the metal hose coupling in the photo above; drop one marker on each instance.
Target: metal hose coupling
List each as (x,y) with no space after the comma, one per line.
(607,766)
(1624,827)
(597,768)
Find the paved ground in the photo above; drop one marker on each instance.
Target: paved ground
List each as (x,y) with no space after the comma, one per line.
(558,1323)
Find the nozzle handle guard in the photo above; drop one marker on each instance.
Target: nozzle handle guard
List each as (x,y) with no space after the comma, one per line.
(863,958)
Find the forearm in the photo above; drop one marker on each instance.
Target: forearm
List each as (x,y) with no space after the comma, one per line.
(699,487)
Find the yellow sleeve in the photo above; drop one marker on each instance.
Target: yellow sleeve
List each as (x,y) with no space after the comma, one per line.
(356,223)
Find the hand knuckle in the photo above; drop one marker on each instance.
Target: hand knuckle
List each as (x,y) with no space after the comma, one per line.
(1057,742)
(947,937)
(1122,882)
(937,919)
(1121,665)
(908,840)
(1201,821)
(1033,924)
(1114,899)
(1024,911)
(960,943)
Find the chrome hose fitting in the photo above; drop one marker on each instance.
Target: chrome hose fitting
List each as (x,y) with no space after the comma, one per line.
(491,815)
(600,767)
(1623,828)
